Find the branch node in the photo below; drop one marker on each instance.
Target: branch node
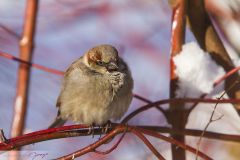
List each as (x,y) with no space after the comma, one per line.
(220,117)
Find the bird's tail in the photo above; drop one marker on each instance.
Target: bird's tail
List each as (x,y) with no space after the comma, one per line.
(58,122)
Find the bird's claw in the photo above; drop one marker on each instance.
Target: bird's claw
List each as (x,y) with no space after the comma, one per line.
(91,130)
(106,127)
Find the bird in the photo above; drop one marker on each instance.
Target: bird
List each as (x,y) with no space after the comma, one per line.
(96,88)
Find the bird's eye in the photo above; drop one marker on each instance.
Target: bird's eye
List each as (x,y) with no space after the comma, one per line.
(100,63)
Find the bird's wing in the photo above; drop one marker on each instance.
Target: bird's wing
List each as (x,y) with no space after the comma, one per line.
(71,68)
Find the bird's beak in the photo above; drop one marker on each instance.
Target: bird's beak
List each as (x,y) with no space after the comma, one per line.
(112,66)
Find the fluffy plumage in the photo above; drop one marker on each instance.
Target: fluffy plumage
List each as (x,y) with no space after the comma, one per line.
(96,88)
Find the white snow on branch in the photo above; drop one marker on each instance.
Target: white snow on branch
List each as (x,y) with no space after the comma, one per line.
(196,71)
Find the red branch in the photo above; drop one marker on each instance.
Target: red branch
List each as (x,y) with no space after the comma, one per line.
(26,49)
(173,141)
(41,67)
(177,32)
(148,144)
(119,129)
(83,130)
(194,132)
(11,143)
(9,31)
(43,135)
(70,131)
(177,100)
(177,40)
(78,130)
(228,74)
(112,148)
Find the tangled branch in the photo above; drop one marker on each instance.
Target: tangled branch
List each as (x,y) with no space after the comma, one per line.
(82,130)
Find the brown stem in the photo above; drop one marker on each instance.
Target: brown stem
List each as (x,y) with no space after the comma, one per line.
(221,15)
(209,40)
(26,49)
(176,113)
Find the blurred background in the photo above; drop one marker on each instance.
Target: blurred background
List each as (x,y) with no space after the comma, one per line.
(140,30)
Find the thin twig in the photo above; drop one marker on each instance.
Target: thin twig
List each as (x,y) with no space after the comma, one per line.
(205,128)
(148,144)
(3,139)
(177,100)
(38,66)
(11,32)
(225,76)
(217,82)
(211,120)
(93,146)
(58,72)
(194,132)
(175,142)
(149,102)
(112,148)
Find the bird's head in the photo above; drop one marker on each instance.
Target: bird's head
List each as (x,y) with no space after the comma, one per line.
(102,58)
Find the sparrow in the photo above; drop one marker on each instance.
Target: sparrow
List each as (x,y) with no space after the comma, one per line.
(96,88)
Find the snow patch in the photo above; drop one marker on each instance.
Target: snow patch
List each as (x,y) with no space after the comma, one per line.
(196,71)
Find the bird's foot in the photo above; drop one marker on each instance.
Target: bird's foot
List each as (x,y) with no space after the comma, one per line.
(91,130)
(106,127)
(100,129)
